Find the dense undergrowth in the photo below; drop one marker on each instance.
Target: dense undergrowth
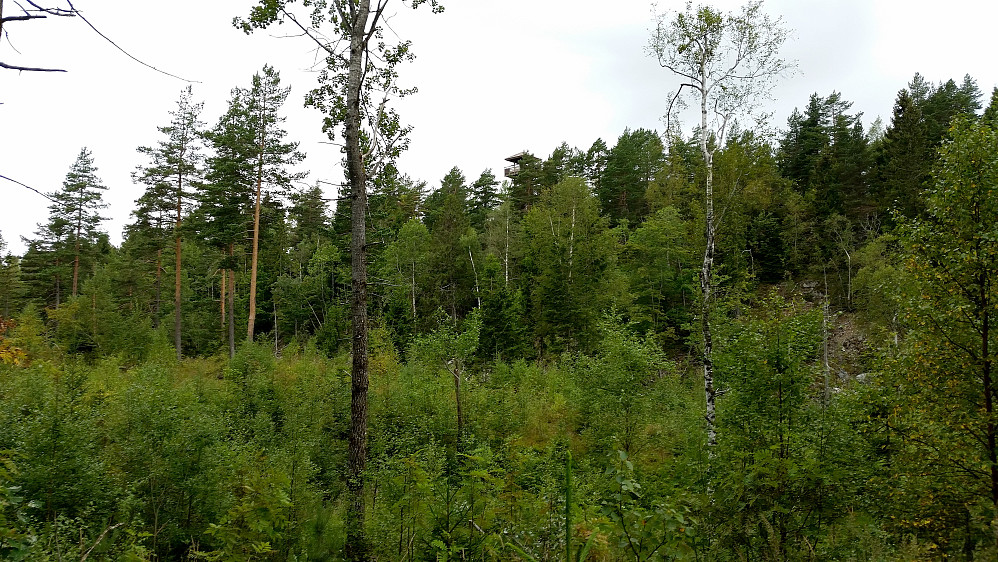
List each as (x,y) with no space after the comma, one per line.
(212,459)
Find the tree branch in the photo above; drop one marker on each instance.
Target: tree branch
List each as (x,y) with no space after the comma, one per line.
(28,186)
(21,18)
(29,68)
(116,46)
(53,11)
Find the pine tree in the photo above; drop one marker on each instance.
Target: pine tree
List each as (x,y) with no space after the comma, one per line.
(68,241)
(528,183)
(594,165)
(174,167)
(226,198)
(903,159)
(825,152)
(272,159)
(77,205)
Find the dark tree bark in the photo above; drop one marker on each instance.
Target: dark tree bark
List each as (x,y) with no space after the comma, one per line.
(357,176)
(232,310)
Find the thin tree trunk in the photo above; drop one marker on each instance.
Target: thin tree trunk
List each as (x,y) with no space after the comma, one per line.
(176,285)
(176,290)
(413,282)
(705,280)
(478,292)
(76,263)
(571,245)
(232,309)
(989,390)
(457,399)
(256,242)
(221,303)
(159,288)
(356,547)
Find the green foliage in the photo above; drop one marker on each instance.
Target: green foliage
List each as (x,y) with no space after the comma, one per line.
(569,254)
(616,390)
(15,542)
(534,381)
(661,267)
(945,383)
(256,521)
(646,528)
(631,167)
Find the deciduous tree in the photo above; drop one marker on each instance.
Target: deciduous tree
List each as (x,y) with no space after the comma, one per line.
(726,63)
(950,386)
(359,80)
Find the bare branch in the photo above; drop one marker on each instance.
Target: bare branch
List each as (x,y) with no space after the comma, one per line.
(28,186)
(53,11)
(129,55)
(6,34)
(311,34)
(29,68)
(21,18)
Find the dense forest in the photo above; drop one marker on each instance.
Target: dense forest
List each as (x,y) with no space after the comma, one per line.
(717,345)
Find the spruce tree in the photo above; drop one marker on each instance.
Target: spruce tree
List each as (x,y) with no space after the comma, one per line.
(10,281)
(483,196)
(631,167)
(903,160)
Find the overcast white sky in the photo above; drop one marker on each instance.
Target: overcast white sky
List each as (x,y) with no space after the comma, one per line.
(494,78)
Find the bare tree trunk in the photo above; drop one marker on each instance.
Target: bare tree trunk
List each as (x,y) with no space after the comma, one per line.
(159,288)
(413,282)
(76,263)
(456,371)
(232,309)
(478,292)
(356,547)
(176,286)
(705,280)
(256,243)
(221,303)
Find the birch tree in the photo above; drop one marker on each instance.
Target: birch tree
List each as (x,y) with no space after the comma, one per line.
(726,64)
(355,88)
